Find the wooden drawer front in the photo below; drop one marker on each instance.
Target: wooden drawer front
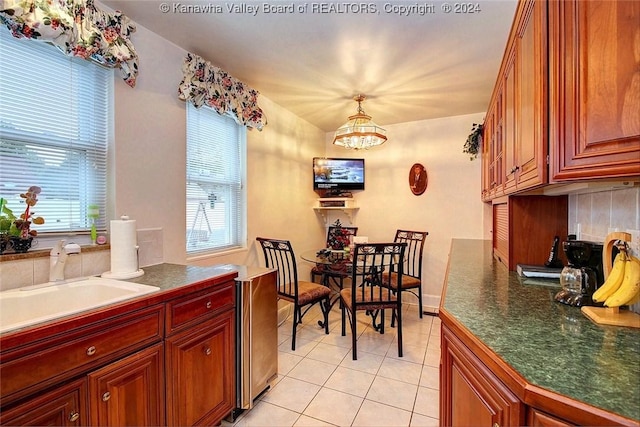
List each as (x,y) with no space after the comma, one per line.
(199,306)
(63,406)
(542,419)
(70,354)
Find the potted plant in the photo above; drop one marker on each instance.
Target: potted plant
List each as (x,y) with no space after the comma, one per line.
(21,234)
(6,220)
(474,141)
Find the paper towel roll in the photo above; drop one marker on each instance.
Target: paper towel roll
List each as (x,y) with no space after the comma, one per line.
(124,250)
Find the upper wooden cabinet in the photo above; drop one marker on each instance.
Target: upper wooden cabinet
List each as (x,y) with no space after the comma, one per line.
(594,79)
(515,151)
(527,149)
(566,104)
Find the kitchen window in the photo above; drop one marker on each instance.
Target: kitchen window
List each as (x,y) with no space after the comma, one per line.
(55,125)
(216,172)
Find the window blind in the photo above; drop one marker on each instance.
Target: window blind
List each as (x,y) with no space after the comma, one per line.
(216,194)
(55,120)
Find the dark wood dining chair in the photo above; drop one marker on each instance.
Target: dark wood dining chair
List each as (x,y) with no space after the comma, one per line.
(278,254)
(369,292)
(336,273)
(412,269)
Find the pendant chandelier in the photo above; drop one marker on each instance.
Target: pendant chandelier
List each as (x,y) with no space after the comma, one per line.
(359,132)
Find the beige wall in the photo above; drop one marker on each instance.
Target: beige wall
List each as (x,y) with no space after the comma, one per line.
(449,208)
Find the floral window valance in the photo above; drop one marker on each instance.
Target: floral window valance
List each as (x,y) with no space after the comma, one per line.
(78,28)
(206,84)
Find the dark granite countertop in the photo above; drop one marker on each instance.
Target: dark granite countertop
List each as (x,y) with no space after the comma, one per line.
(549,344)
(175,276)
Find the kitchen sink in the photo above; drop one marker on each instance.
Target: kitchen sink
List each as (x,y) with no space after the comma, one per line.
(38,303)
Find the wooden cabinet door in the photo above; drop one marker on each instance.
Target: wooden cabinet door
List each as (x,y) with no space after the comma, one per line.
(487,140)
(129,392)
(64,406)
(510,123)
(594,89)
(493,147)
(529,166)
(200,372)
(470,394)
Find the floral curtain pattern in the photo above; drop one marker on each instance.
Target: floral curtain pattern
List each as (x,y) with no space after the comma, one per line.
(78,28)
(206,84)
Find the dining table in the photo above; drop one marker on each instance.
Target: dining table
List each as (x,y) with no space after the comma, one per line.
(335,261)
(330,261)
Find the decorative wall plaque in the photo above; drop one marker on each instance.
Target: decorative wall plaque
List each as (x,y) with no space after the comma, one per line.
(418,179)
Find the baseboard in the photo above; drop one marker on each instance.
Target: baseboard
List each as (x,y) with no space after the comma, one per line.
(431,304)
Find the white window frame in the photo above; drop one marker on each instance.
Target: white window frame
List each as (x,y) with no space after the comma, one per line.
(216,219)
(56,123)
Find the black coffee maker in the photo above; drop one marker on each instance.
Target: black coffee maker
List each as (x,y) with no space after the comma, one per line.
(583,275)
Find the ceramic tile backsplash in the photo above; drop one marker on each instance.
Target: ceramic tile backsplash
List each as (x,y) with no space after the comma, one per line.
(16,274)
(95,263)
(592,216)
(26,272)
(151,251)
(41,269)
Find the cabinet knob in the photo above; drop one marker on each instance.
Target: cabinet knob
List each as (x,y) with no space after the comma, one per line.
(74,416)
(106,396)
(496,425)
(207,351)
(208,304)
(91,351)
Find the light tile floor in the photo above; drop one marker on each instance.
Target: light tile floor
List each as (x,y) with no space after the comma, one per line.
(320,385)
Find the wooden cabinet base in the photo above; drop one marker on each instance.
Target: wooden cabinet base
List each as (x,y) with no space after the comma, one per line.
(487,402)
(200,373)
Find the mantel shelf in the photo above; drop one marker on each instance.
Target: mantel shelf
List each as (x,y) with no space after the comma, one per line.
(348,211)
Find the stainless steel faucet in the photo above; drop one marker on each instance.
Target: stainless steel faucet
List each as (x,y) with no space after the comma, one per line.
(58,258)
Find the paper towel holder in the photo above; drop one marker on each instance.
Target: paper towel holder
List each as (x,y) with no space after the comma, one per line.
(126,275)
(116,270)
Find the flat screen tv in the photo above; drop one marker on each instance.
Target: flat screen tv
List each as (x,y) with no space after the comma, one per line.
(335,175)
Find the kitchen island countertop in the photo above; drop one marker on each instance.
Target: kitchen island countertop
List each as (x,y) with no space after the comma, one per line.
(550,345)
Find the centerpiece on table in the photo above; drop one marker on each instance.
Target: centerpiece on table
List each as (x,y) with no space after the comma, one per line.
(339,237)
(16,232)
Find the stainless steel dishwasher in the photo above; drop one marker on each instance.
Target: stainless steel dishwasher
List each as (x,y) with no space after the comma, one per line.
(256,333)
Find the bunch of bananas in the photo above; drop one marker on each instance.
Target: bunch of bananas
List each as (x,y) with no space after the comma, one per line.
(622,287)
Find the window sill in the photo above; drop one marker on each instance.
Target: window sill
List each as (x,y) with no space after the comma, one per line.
(45,252)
